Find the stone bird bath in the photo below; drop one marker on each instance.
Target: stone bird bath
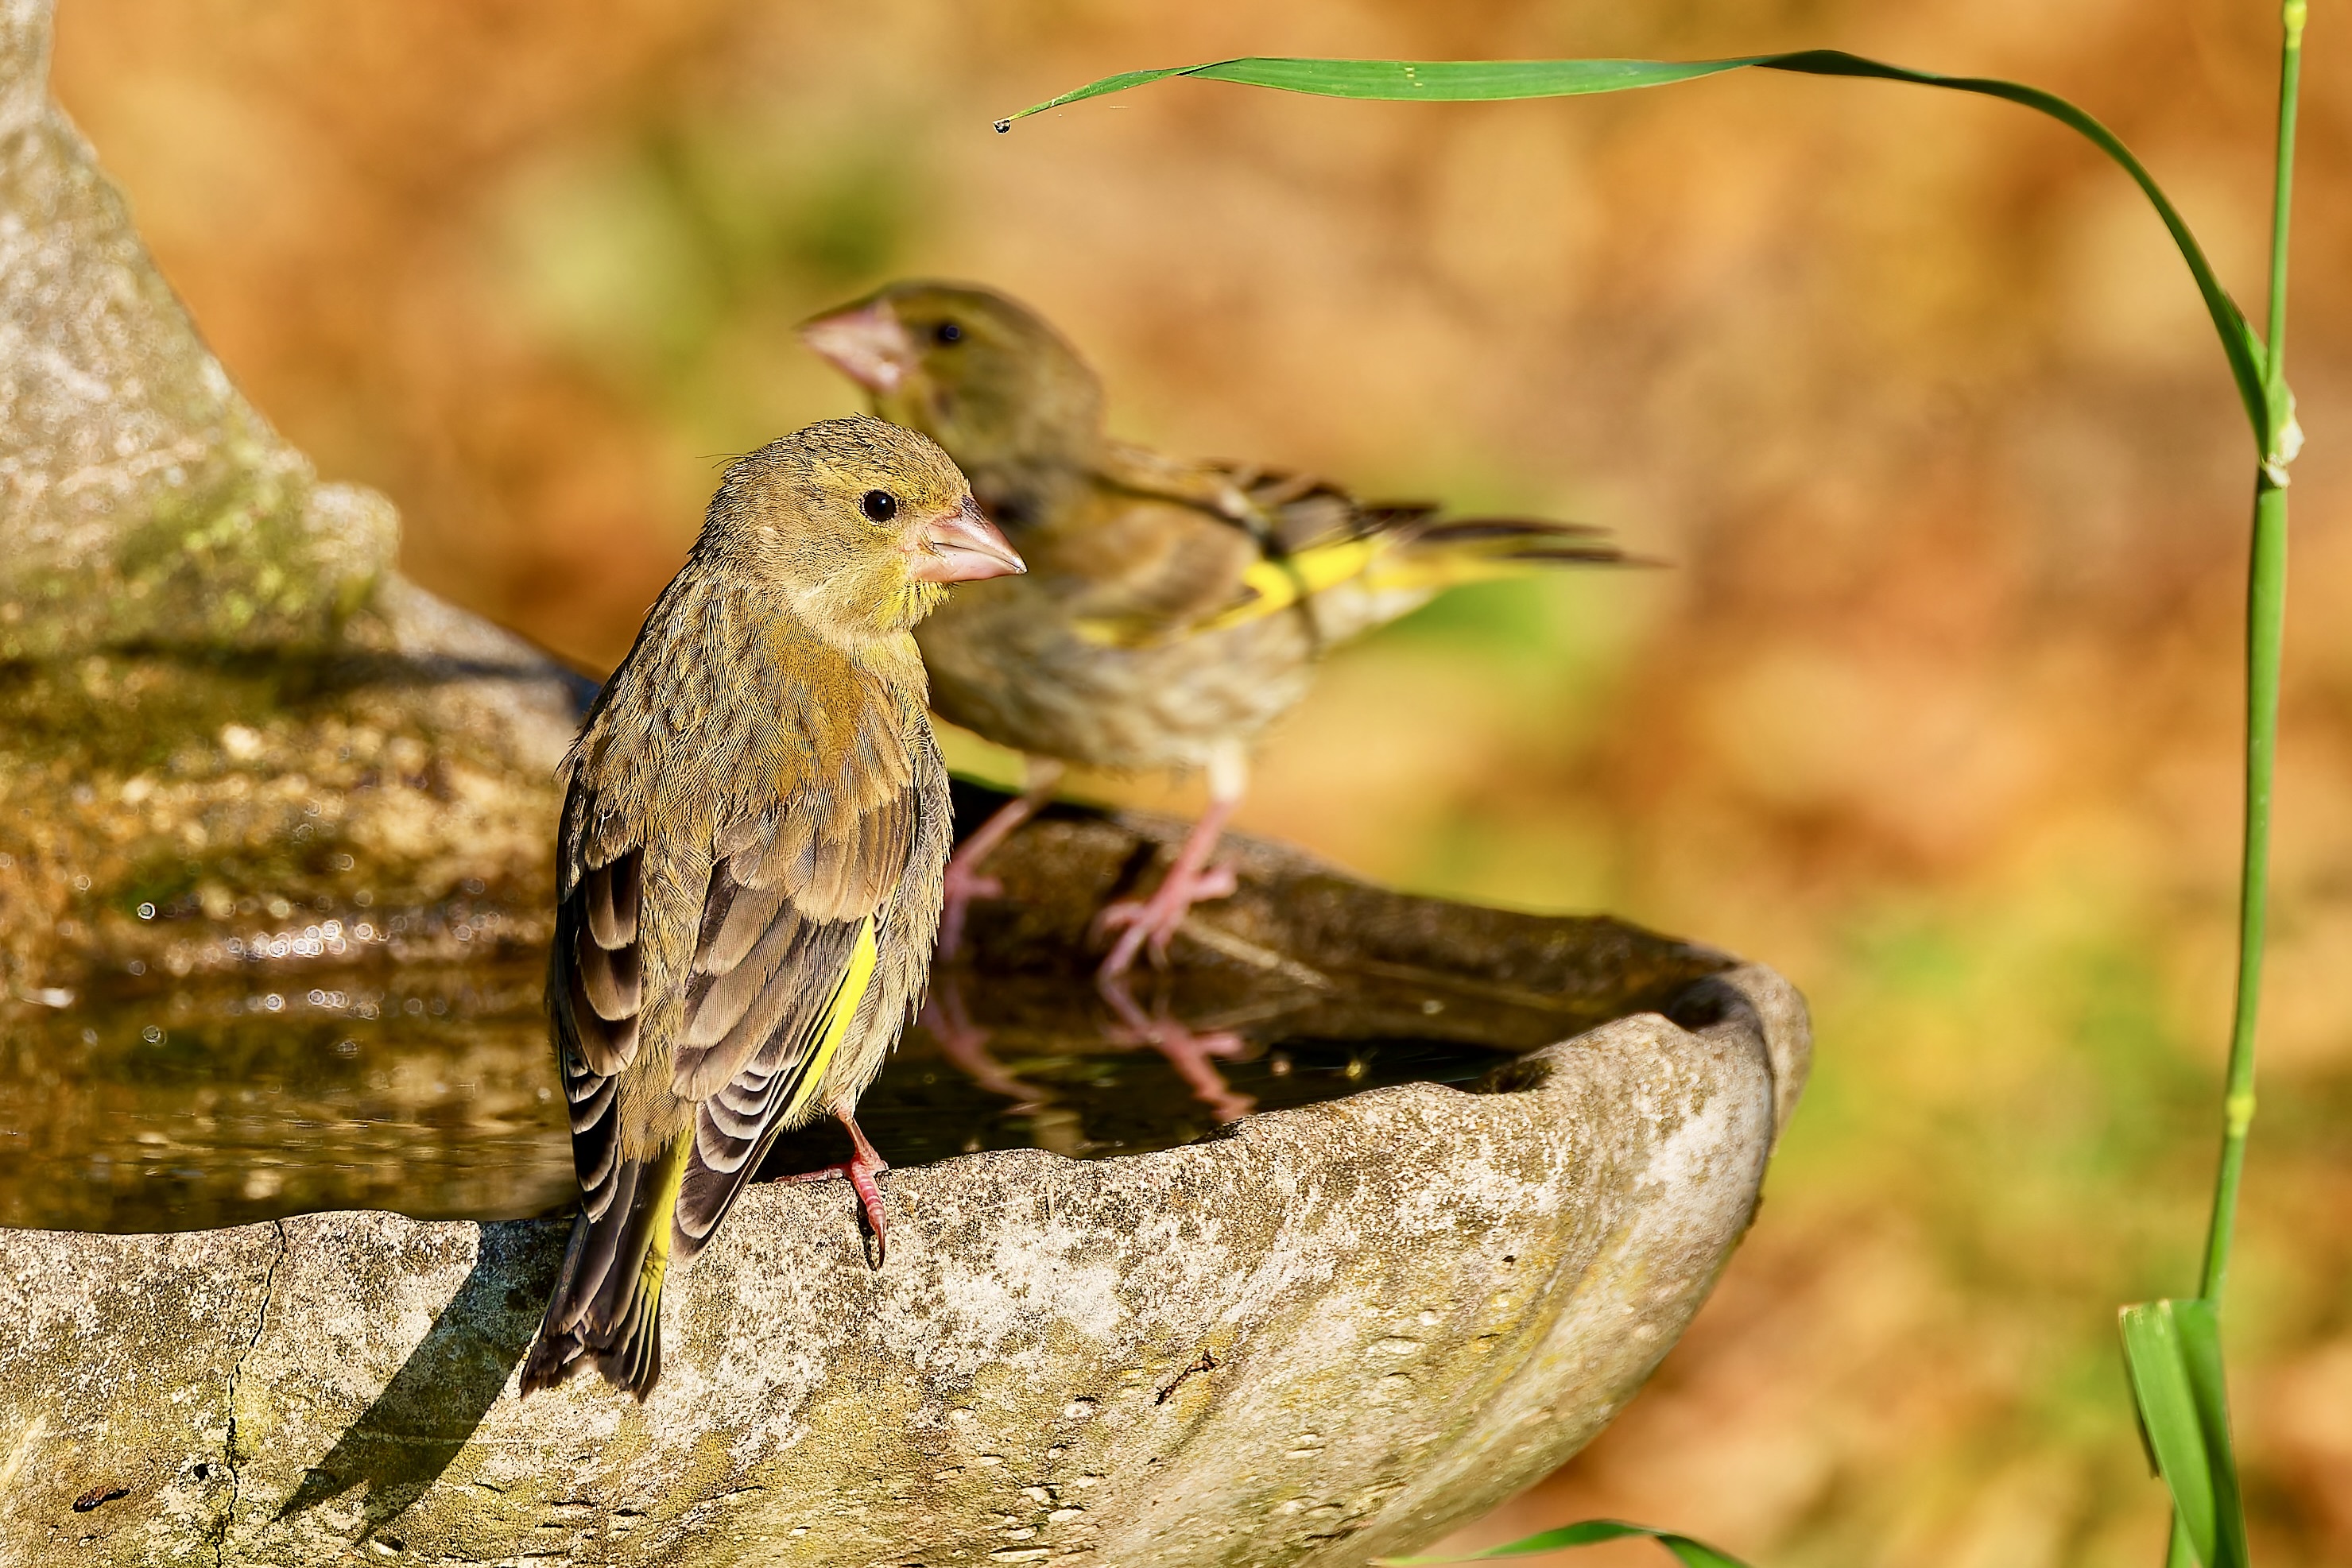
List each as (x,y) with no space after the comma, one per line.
(233,740)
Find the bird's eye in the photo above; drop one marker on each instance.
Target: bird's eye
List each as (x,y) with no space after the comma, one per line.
(879,505)
(948,332)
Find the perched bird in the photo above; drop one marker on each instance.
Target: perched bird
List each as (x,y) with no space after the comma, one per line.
(1173,609)
(749,864)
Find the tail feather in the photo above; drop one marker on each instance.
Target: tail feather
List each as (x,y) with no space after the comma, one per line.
(1532,534)
(606,1305)
(1440,555)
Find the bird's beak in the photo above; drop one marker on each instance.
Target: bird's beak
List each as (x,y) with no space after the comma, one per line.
(865,343)
(963,546)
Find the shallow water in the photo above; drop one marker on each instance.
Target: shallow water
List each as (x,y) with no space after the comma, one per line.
(431,1091)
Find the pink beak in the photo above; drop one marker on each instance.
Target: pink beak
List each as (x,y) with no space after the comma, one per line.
(866,344)
(963,546)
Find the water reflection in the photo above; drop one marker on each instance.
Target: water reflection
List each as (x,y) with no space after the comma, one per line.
(430,1091)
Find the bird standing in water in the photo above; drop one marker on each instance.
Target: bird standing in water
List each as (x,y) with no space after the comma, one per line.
(749,864)
(1172,610)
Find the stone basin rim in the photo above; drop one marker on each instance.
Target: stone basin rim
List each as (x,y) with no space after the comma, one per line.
(391,1288)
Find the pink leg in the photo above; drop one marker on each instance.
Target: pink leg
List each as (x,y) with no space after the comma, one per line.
(1188,1052)
(965,1043)
(859,1170)
(1190,881)
(964,883)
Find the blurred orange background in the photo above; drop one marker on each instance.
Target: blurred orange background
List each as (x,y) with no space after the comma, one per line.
(1938,710)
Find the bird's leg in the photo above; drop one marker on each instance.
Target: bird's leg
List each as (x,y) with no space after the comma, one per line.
(1187,1052)
(859,1170)
(1190,881)
(964,883)
(965,1043)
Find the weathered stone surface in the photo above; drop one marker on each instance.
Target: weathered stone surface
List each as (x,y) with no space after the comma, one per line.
(1329,1333)
(217,696)
(142,500)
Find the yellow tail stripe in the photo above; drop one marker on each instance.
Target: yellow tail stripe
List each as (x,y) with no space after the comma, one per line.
(851,991)
(672,1178)
(1449,570)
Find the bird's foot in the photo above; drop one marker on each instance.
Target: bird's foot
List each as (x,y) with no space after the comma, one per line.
(1189,1053)
(859,1171)
(1152,922)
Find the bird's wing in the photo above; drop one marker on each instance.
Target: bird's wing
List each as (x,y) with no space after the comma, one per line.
(1154,565)
(596,989)
(1284,510)
(1172,549)
(1211,488)
(784,953)
(798,904)
(1401,563)
(1314,536)
(1292,538)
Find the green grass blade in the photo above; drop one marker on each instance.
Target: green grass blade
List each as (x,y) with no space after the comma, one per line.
(1464,81)
(1587,1532)
(2173,1351)
(1438,81)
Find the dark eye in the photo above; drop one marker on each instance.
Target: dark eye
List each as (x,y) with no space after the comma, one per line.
(948,332)
(879,505)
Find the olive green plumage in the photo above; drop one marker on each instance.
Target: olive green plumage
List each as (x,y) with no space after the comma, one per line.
(748,863)
(1173,609)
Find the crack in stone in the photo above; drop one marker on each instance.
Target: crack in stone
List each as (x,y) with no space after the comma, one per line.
(261,1322)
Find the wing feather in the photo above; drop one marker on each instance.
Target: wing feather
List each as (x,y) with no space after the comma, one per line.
(779,927)
(728,1142)
(608,977)
(734,920)
(595,991)
(611,892)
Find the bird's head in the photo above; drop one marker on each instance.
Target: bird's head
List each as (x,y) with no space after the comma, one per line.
(983,375)
(861,523)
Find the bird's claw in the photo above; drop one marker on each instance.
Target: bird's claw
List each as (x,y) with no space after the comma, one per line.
(1153,923)
(859,1171)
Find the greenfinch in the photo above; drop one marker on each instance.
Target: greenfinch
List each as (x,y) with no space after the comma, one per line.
(748,864)
(1172,610)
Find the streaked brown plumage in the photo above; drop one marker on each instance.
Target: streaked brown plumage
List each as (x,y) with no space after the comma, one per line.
(1173,609)
(748,864)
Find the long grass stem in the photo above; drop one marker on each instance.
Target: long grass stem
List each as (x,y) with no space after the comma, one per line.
(2266,619)
(2265,624)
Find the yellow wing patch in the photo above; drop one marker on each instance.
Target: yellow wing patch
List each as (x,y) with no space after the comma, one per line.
(1273,586)
(1377,563)
(838,1012)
